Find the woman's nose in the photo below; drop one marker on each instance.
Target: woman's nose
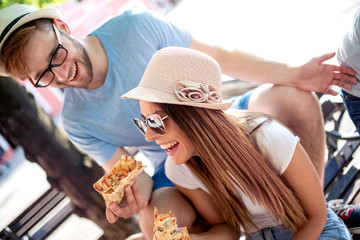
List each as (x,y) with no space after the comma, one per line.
(150,135)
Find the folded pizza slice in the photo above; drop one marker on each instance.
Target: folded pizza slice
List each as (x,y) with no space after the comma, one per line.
(166,227)
(111,186)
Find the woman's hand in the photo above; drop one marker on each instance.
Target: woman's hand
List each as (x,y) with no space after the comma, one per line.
(134,203)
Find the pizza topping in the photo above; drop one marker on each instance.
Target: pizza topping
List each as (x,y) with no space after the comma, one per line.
(111,186)
(120,171)
(109,191)
(168,223)
(166,227)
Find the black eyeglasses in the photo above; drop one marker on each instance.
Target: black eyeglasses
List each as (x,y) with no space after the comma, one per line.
(57,59)
(154,122)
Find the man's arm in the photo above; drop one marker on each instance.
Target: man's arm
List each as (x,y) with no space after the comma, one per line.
(117,155)
(312,76)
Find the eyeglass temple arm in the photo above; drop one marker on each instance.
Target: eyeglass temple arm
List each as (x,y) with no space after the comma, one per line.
(57,34)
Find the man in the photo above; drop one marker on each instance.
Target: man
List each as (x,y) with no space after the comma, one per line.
(97,70)
(349,55)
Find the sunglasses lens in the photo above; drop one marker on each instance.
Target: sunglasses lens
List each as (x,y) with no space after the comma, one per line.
(140,125)
(156,124)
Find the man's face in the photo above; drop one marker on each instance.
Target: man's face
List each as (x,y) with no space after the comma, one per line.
(76,71)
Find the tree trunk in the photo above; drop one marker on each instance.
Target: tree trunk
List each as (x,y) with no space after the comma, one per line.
(24,122)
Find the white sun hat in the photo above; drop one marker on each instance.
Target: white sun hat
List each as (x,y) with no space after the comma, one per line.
(182,76)
(15,16)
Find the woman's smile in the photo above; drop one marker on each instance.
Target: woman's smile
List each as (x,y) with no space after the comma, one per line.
(170,147)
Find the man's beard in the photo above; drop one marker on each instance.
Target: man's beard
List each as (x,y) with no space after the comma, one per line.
(84,59)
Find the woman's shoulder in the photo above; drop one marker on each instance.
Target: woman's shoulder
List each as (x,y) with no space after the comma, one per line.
(278,143)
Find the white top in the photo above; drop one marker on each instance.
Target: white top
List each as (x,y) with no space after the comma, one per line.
(276,142)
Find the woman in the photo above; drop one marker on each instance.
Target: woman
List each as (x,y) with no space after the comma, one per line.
(240,170)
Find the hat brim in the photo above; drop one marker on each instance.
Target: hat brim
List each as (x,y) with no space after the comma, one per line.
(50,13)
(153,95)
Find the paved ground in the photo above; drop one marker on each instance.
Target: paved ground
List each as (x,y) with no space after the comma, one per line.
(287,31)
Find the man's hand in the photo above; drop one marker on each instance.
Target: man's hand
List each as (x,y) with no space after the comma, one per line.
(317,76)
(135,202)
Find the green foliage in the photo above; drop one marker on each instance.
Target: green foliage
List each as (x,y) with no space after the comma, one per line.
(35,3)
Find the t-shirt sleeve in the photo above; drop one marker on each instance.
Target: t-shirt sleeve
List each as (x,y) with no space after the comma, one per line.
(349,49)
(100,151)
(348,52)
(155,28)
(277,143)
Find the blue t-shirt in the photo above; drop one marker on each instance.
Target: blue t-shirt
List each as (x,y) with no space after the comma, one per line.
(98,121)
(348,52)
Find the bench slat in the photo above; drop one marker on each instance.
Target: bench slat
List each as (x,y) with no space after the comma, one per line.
(336,164)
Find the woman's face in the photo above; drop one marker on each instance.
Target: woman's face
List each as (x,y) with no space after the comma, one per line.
(174,141)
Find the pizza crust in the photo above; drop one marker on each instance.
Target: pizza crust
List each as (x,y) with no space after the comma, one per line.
(111,186)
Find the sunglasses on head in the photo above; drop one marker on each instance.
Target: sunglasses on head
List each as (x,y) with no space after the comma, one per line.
(153,121)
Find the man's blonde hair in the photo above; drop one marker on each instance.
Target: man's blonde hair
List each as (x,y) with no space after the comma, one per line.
(12,54)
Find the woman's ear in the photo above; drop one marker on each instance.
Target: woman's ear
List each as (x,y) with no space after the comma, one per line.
(62,26)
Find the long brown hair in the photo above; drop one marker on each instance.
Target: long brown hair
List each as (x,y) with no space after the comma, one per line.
(12,54)
(229,156)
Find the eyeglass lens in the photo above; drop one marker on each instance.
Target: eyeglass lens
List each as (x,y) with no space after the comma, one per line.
(140,125)
(154,122)
(57,60)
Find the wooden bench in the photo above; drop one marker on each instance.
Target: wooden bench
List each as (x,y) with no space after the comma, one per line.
(342,168)
(342,173)
(43,216)
(341,182)
(38,221)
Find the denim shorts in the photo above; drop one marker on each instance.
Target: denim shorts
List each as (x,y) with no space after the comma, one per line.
(241,101)
(352,105)
(334,229)
(160,179)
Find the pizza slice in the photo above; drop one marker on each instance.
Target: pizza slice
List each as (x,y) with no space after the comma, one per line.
(166,227)
(111,186)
